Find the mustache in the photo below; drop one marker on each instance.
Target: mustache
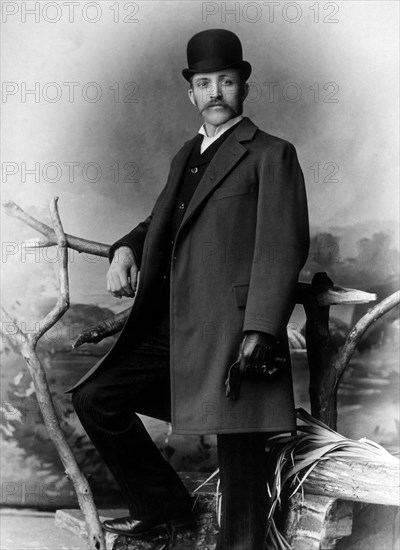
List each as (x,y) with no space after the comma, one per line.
(214,104)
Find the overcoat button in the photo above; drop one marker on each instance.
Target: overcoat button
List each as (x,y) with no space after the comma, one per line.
(194,170)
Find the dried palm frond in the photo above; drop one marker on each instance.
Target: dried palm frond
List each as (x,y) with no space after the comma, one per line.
(293,457)
(218,495)
(215,472)
(218,503)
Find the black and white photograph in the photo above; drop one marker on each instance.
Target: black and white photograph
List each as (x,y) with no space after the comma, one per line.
(200,275)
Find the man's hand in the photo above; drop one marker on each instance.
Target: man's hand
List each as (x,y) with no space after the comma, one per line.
(258,355)
(122,273)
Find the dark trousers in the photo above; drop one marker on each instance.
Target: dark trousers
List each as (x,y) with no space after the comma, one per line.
(138,382)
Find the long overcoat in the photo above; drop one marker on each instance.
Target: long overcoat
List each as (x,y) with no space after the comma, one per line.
(234,267)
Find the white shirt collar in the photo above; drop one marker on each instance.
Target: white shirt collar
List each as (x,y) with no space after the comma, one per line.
(220,129)
(207,140)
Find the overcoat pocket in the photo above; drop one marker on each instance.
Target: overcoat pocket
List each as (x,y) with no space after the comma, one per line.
(232,191)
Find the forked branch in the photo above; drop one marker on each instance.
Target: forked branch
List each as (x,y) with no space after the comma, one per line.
(76,243)
(27,343)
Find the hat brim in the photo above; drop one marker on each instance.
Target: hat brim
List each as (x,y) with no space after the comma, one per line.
(243,66)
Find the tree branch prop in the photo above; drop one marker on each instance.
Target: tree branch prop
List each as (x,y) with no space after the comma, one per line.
(360,328)
(331,295)
(324,296)
(27,343)
(321,352)
(76,243)
(108,327)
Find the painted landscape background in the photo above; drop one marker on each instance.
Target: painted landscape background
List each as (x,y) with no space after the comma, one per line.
(333,87)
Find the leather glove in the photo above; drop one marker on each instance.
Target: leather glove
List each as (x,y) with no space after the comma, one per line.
(258,356)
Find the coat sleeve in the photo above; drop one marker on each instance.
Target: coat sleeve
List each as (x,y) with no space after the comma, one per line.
(134,240)
(281,241)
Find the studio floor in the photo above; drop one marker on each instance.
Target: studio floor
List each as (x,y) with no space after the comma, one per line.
(30,529)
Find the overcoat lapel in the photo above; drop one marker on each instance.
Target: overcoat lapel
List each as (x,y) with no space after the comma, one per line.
(228,155)
(225,159)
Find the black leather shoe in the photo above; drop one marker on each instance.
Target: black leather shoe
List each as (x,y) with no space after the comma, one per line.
(130,527)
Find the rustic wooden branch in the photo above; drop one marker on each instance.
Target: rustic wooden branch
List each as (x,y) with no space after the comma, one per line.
(327,364)
(356,480)
(108,327)
(322,295)
(331,295)
(37,242)
(27,344)
(315,522)
(320,352)
(359,329)
(311,522)
(81,245)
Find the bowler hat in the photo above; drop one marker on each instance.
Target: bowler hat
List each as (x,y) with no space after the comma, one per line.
(214,50)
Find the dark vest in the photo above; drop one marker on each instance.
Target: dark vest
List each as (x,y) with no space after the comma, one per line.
(196,165)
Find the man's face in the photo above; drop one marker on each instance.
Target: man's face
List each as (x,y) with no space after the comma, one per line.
(218,96)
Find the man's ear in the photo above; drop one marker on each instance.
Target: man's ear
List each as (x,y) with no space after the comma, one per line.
(246,89)
(191,96)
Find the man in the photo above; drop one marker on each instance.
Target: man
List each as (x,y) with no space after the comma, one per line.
(205,344)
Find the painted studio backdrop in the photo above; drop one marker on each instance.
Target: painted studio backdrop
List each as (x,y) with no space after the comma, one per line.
(94,108)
